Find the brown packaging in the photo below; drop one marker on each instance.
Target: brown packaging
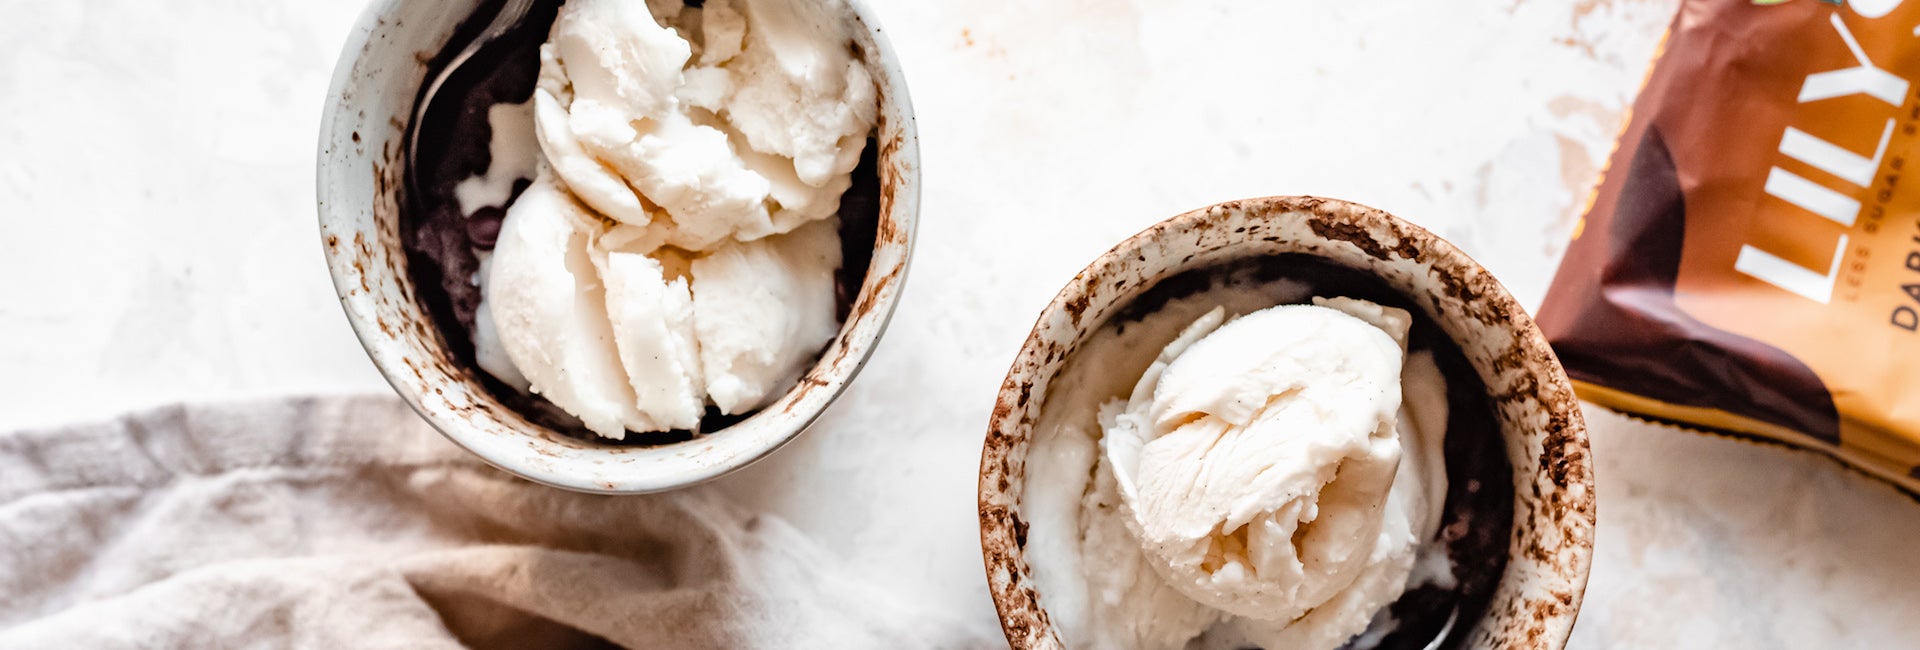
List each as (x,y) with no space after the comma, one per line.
(1750,262)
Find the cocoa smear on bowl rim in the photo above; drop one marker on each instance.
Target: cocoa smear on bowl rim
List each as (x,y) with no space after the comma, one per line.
(363,202)
(1548,549)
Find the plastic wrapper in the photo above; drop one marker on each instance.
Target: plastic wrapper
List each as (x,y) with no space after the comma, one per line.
(1750,262)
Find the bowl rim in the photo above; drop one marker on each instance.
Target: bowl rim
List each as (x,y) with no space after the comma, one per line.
(857,339)
(1012,421)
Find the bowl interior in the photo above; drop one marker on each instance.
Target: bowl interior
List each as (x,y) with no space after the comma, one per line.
(361,168)
(1541,429)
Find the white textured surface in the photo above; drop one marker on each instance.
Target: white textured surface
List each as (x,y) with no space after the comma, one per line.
(157,235)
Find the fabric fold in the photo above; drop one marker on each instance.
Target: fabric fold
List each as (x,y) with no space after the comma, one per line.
(348,522)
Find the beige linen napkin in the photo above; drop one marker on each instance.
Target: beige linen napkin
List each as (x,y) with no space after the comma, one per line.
(348,523)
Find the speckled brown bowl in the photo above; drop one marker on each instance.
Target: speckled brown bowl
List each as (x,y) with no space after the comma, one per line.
(362,133)
(1538,595)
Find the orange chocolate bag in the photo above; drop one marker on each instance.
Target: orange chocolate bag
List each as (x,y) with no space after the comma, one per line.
(1750,262)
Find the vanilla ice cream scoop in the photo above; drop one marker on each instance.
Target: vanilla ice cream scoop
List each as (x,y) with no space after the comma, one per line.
(678,248)
(1268,469)
(549,311)
(756,136)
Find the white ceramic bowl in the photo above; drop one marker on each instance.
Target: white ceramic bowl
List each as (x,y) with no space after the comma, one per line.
(1551,543)
(362,136)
